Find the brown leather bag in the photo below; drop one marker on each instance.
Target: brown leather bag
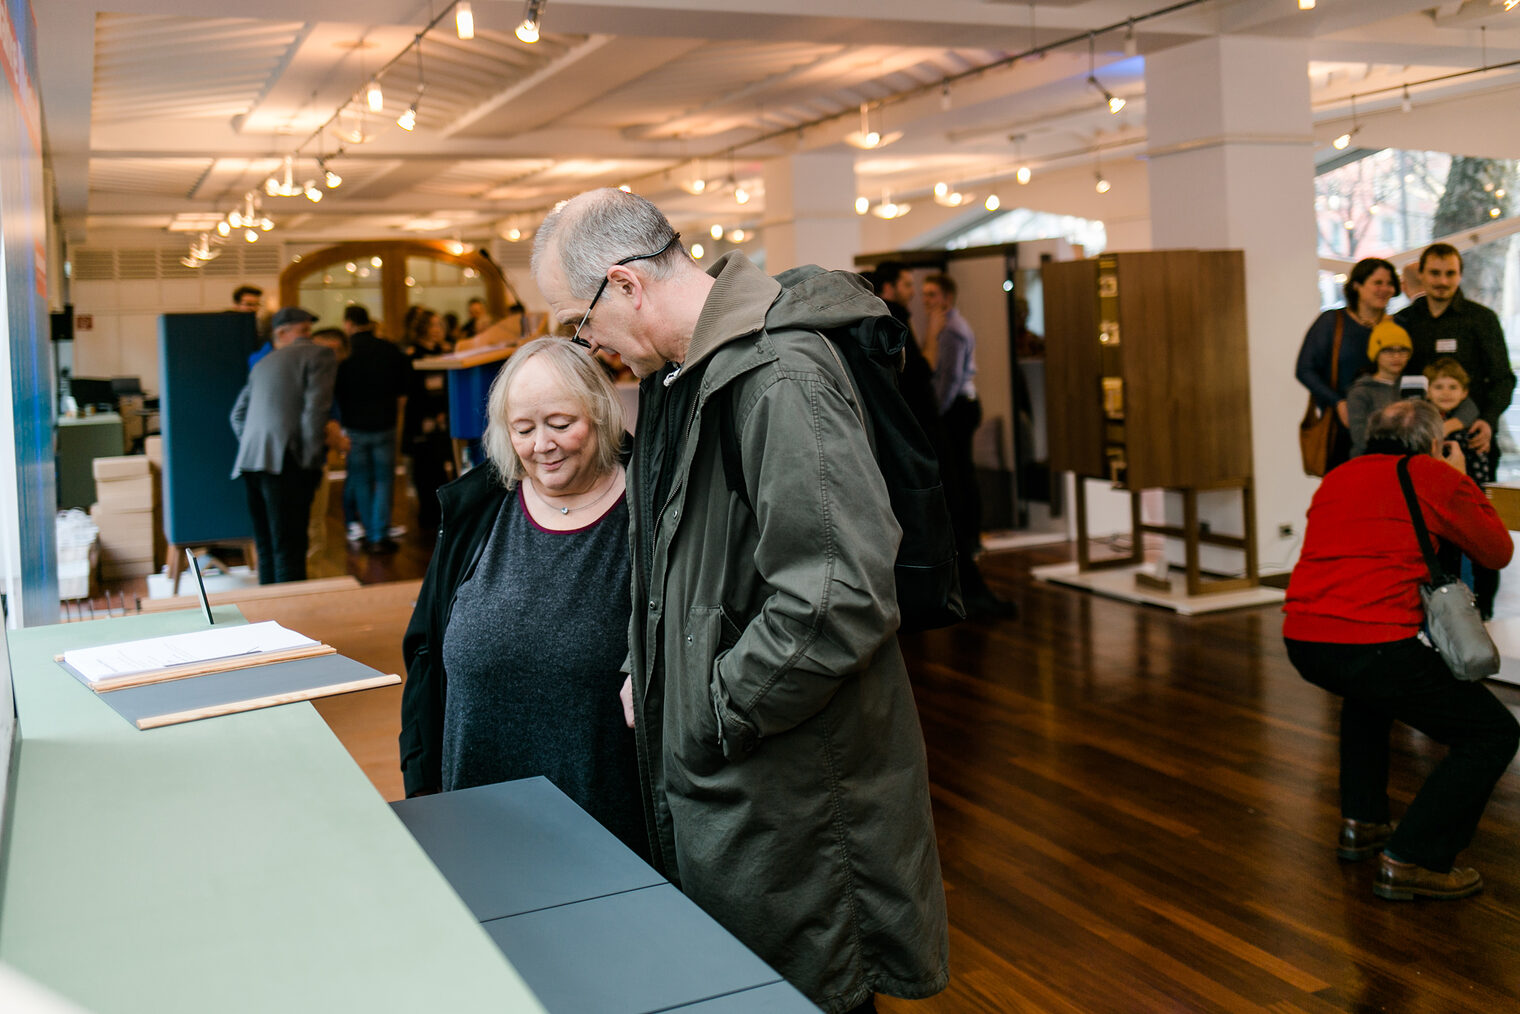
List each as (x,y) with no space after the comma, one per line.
(1320,429)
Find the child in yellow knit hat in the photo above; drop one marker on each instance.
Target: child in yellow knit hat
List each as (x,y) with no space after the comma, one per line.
(1389,348)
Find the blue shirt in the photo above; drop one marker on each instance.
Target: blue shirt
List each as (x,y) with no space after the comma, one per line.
(955,368)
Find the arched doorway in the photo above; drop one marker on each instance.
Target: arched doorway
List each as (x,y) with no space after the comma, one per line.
(390,275)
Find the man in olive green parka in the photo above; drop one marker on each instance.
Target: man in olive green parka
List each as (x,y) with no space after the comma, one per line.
(781,758)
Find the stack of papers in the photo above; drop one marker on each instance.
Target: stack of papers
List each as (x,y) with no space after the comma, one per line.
(152,653)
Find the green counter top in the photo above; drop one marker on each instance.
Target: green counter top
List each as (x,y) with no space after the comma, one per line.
(241,863)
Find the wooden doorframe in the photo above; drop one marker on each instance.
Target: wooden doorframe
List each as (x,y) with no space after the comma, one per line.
(393,254)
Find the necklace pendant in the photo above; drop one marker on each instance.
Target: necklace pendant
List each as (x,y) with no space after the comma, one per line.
(564,510)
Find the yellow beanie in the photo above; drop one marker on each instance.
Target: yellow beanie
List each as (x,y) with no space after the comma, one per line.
(1387,335)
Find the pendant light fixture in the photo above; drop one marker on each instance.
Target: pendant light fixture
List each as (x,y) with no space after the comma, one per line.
(867,139)
(464,20)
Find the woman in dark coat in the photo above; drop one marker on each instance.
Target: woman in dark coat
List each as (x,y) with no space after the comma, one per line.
(515,650)
(1369,287)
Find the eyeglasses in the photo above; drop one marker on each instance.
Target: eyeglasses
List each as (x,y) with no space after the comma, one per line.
(576,339)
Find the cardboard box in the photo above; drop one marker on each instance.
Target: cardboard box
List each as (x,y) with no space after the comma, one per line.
(139,493)
(124,467)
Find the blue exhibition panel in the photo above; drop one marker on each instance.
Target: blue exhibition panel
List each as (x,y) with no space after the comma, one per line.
(203,364)
(468,391)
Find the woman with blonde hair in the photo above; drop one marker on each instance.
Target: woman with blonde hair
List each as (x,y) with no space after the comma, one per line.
(515,649)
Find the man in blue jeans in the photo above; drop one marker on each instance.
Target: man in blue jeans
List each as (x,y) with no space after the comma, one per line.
(371,388)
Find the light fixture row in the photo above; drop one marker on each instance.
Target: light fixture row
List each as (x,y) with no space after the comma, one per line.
(249,217)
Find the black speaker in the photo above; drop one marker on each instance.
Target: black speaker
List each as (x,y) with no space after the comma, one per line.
(63,323)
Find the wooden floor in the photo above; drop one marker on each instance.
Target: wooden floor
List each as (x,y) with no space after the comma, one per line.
(1136,812)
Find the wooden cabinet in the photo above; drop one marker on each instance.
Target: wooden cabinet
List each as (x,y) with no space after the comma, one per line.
(1148,370)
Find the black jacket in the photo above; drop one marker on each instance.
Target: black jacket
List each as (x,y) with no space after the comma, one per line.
(470,505)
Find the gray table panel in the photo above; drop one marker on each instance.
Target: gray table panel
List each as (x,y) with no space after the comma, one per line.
(777,998)
(645,950)
(235,685)
(519,846)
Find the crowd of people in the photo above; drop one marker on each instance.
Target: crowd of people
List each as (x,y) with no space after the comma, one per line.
(349,389)
(1422,390)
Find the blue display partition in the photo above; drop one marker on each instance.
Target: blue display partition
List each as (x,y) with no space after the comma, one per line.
(26,463)
(203,361)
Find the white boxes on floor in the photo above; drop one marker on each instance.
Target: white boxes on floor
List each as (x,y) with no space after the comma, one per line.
(128,515)
(76,550)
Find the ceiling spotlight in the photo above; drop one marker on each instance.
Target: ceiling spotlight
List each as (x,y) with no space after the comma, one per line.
(1344,141)
(528,30)
(190,262)
(738,236)
(330,179)
(695,185)
(716,232)
(625,188)
(1022,175)
(408,120)
(941,189)
(992,203)
(697,252)
(464,20)
(374,96)
(862,205)
(889,210)
(1115,103)
(1494,212)
(454,247)
(865,138)
(741,196)
(375,262)
(223,229)
(250,235)
(513,235)
(266,223)
(235,219)
(948,198)
(1306,5)
(312,193)
(1102,186)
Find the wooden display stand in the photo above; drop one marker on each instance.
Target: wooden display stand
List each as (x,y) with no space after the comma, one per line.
(1147,369)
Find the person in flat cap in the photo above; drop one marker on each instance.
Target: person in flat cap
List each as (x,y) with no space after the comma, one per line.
(1388,348)
(280,419)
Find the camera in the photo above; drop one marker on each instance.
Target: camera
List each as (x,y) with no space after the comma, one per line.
(1414,386)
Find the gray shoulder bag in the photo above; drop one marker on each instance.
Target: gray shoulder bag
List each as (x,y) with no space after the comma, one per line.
(1451,614)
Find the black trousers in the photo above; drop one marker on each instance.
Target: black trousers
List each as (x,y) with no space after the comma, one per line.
(280,503)
(1407,681)
(958,472)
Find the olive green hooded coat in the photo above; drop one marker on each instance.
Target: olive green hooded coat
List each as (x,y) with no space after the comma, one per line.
(781,757)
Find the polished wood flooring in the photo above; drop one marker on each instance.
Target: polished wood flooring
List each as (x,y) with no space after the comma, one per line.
(1136,812)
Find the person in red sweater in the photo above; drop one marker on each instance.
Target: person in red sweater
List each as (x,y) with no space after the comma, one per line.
(1353,627)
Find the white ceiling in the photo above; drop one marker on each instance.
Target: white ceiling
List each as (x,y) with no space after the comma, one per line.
(180,116)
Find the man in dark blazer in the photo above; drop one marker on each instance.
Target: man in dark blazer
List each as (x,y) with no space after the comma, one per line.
(280,419)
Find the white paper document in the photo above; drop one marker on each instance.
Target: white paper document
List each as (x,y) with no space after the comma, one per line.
(151,653)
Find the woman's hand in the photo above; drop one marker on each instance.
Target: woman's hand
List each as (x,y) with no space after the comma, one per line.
(1343,412)
(626,695)
(1452,425)
(1479,436)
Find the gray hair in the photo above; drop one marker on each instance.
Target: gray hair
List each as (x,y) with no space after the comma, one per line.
(1411,423)
(600,228)
(583,379)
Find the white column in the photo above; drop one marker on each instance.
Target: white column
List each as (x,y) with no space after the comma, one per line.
(1232,167)
(810,211)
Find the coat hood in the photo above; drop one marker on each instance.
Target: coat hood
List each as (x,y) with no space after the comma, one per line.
(745,300)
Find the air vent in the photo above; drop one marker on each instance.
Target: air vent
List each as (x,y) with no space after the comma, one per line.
(94,265)
(137,265)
